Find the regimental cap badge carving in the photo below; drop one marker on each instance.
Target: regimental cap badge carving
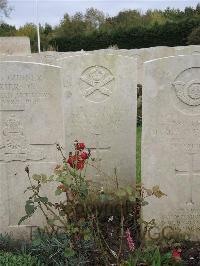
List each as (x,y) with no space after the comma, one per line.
(96,83)
(188,92)
(13,125)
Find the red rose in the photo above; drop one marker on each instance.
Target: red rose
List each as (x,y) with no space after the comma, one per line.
(84,155)
(70,161)
(76,162)
(80,146)
(80,165)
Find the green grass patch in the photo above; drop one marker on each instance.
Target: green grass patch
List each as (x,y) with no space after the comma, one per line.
(138,155)
(9,259)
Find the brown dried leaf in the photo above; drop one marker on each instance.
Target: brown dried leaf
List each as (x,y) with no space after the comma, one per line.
(157,192)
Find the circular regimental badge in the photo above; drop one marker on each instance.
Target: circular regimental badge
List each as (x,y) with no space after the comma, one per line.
(186,88)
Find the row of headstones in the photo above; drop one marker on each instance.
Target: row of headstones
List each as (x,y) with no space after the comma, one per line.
(18,47)
(92,97)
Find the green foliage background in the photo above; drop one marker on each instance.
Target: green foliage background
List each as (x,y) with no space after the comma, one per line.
(9,259)
(128,30)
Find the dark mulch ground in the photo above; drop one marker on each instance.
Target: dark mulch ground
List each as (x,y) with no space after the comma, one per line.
(190,253)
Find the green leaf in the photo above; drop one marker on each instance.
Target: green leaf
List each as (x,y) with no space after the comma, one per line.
(69,252)
(36,177)
(132,198)
(121,193)
(87,235)
(62,213)
(44,199)
(58,192)
(23,219)
(43,178)
(37,241)
(130,191)
(168,255)
(72,173)
(51,178)
(51,221)
(65,179)
(144,203)
(103,197)
(29,207)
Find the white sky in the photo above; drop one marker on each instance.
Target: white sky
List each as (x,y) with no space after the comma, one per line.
(52,11)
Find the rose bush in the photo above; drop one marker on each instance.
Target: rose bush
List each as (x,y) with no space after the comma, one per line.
(77,212)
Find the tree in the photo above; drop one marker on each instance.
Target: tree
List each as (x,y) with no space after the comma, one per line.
(129,18)
(7,30)
(5,9)
(194,37)
(29,30)
(94,18)
(154,17)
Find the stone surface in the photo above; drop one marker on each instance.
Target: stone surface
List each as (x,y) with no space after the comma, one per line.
(171,145)
(100,110)
(30,101)
(15,46)
(152,53)
(136,54)
(49,57)
(195,49)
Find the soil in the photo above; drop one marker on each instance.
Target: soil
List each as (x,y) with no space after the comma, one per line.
(190,253)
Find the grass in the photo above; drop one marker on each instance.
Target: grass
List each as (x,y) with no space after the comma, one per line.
(138,155)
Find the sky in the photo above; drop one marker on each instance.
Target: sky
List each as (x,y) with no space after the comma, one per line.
(52,11)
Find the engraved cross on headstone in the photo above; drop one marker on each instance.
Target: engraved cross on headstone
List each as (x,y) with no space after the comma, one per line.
(98,149)
(190,173)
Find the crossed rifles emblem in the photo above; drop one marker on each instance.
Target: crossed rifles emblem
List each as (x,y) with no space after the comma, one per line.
(97,77)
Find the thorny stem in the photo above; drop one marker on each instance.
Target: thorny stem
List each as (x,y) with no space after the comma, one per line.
(85,169)
(59,148)
(99,237)
(49,209)
(102,237)
(116,179)
(45,215)
(98,240)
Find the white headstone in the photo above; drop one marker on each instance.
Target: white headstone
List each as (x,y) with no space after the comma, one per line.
(170,145)
(15,45)
(100,110)
(31,125)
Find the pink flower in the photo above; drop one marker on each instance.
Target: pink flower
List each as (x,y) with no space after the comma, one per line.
(129,239)
(176,254)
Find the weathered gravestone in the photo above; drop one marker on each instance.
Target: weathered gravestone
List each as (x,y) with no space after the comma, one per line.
(15,45)
(31,124)
(100,110)
(135,53)
(146,54)
(171,145)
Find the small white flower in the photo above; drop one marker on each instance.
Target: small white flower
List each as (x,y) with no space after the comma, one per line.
(110,219)
(114,253)
(101,190)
